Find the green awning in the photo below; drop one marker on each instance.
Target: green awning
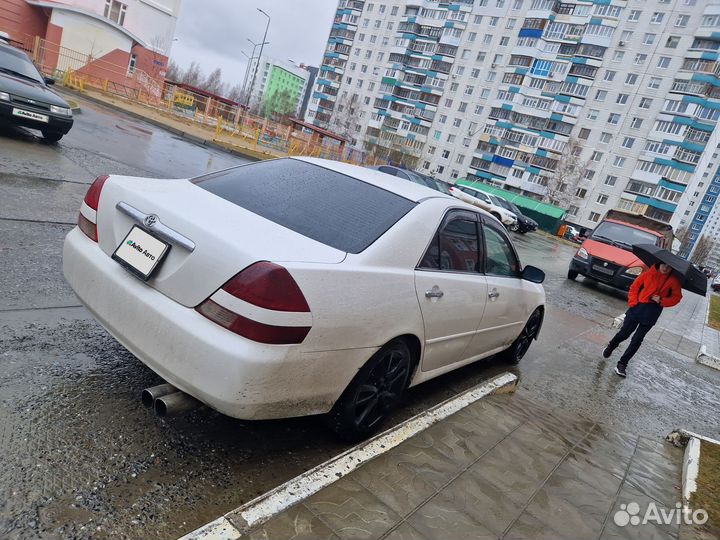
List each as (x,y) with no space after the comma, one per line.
(521,201)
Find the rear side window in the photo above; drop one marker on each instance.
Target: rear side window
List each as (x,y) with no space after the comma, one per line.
(338,210)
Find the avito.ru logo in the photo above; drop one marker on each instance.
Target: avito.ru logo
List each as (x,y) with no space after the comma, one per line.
(629,514)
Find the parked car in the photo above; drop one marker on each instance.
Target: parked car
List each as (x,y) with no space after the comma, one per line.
(482,200)
(299,286)
(26,100)
(414,176)
(716,284)
(606,255)
(524,223)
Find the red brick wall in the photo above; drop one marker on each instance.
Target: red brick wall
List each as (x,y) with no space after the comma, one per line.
(112,66)
(154,64)
(19,19)
(51,53)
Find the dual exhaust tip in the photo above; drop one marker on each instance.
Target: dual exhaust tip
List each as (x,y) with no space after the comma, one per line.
(166,400)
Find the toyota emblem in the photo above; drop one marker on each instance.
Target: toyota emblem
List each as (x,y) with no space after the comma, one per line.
(150,220)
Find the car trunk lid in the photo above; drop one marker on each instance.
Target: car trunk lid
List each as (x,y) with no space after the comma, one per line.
(227,238)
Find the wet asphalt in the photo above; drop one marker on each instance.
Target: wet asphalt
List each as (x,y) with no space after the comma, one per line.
(83,459)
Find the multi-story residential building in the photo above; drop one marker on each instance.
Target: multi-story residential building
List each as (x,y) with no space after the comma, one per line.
(279,86)
(109,39)
(511,91)
(313,73)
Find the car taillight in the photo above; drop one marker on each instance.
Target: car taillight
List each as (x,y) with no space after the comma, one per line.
(87,219)
(286,314)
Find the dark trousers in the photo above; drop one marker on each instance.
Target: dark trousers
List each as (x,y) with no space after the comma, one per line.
(629,326)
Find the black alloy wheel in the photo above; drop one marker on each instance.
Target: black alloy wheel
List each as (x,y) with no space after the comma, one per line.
(520,346)
(373,393)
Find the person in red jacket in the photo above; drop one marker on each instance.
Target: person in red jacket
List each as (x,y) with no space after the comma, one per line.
(653,290)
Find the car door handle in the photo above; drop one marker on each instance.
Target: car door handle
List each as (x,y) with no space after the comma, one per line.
(435,292)
(493,294)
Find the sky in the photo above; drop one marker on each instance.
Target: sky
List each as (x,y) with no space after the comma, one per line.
(214,32)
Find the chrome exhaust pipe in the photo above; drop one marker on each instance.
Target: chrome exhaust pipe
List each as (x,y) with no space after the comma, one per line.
(175,404)
(149,395)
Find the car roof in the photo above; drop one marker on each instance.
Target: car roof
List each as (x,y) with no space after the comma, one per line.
(4,46)
(399,186)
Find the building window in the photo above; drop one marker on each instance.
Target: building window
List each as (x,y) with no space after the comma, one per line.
(594,217)
(634,15)
(672,42)
(605,137)
(645,103)
(445,154)
(597,156)
(115,11)
(682,21)
(609,75)
(619,161)
(580,193)
(649,39)
(636,123)
(657,17)
(654,83)
(592,114)
(631,79)
(584,133)
(640,59)
(622,99)
(618,56)
(613,118)
(628,142)
(602,199)
(132,64)
(663,62)
(610,180)
(504,41)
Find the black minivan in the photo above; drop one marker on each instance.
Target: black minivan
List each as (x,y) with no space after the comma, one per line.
(26,100)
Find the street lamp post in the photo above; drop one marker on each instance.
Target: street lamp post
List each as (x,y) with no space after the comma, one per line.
(262,45)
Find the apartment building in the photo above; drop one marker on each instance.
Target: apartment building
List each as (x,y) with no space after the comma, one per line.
(504,91)
(279,86)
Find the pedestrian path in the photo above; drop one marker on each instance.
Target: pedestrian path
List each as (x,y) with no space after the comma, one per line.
(504,467)
(683,327)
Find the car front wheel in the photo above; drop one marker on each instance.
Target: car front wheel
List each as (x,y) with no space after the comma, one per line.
(373,393)
(520,346)
(572,274)
(52,136)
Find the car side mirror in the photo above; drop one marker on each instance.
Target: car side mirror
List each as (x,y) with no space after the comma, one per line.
(49,81)
(532,274)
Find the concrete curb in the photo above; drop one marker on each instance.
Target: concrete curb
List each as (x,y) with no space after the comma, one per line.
(691,468)
(255,156)
(707,359)
(237,523)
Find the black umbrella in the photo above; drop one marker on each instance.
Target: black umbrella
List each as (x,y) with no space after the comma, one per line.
(692,279)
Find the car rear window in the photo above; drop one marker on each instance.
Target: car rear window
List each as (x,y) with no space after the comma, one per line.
(338,210)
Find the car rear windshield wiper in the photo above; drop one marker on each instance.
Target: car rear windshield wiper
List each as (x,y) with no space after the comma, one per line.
(18,74)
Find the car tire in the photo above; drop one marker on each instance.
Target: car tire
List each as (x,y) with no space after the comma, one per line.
(375,390)
(572,274)
(513,354)
(515,227)
(52,136)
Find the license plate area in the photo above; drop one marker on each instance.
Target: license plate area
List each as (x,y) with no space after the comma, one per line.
(22,113)
(603,270)
(141,253)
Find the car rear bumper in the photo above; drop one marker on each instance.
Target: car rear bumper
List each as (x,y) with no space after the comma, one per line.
(60,124)
(619,280)
(236,376)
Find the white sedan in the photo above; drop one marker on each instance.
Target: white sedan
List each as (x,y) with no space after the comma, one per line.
(482,200)
(298,286)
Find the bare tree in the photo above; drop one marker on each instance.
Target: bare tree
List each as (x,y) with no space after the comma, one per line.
(703,247)
(235,93)
(214,83)
(563,184)
(174,72)
(192,76)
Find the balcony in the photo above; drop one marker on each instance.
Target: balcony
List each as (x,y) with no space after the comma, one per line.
(689,87)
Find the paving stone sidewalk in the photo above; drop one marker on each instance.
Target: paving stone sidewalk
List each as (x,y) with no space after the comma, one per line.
(683,329)
(504,467)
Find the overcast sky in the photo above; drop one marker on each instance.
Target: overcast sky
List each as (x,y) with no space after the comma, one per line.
(214,32)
